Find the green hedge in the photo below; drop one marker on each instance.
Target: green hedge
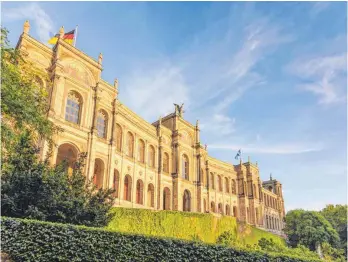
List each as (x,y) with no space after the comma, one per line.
(29,240)
(184,225)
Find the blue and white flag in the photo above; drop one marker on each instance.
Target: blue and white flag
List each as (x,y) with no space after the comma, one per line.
(238,154)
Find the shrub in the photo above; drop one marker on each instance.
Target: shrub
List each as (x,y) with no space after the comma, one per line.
(33,189)
(272,247)
(227,239)
(28,240)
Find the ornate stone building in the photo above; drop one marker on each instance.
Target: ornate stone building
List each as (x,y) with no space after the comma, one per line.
(159,166)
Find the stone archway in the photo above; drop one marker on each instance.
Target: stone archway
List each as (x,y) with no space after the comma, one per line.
(166,198)
(151,195)
(69,154)
(186,201)
(98,173)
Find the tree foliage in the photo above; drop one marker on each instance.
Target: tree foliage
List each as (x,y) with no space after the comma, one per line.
(337,216)
(24,98)
(309,228)
(32,189)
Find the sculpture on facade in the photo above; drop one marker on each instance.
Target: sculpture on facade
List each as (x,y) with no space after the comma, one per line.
(179,109)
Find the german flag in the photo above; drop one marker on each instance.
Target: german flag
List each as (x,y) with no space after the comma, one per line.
(68,37)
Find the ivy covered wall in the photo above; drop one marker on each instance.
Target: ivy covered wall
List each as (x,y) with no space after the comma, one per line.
(184,225)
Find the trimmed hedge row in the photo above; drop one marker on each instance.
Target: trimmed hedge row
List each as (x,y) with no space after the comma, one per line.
(184,225)
(29,240)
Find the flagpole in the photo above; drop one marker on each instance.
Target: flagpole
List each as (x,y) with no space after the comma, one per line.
(75,37)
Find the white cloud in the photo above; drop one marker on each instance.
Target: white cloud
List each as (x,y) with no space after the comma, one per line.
(325,76)
(152,92)
(270,149)
(319,7)
(218,124)
(33,12)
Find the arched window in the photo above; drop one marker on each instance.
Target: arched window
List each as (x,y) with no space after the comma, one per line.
(254,191)
(185,167)
(98,173)
(115,182)
(139,192)
(166,198)
(165,163)
(212,181)
(234,186)
(151,195)
(102,124)
(220,183)
(187,201)
(201,177)
(151,156)
(212,206)
(220,210)
(141,151)
(227,185)
(67,153)
(250,188)
(235,211)
(130,144)
(245,189)
(228,212)
(267,222)
(127,190)
(73,107)
(118,138)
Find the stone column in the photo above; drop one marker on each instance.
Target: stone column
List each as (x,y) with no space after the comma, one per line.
(112,147)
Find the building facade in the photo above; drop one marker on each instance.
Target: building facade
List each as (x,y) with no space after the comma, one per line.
(160,165)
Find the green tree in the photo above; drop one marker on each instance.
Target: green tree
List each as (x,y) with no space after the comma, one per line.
(337,216)
(309,228)
(24,101)
(32,189)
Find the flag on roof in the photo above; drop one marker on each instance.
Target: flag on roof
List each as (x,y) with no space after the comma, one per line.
(238,154)
(67,37)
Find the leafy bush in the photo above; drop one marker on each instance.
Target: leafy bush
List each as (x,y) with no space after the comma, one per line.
(227,239)
(270,246)
(28,240)
(333,254)
(32,189)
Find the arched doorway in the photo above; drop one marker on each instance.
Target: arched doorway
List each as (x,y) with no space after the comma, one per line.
(186,201)
(166,198)
(228,211)
(68,153)
(139,192)
(127,189)
(220,211)
(151,195)
(212,206)
(98,173)
(235,211)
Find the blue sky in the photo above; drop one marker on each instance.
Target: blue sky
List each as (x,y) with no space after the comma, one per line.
(269,78)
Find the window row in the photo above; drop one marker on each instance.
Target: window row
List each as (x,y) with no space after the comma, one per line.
(273,223)
(270,201)
(220,209)
(227,188)
(73,112)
